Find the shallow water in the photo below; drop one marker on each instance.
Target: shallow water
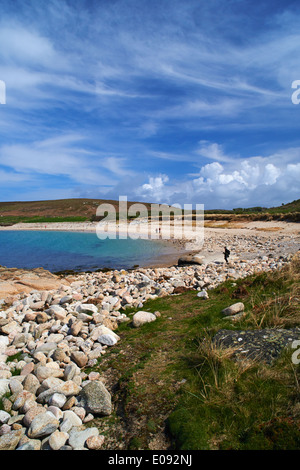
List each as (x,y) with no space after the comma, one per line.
(78,251)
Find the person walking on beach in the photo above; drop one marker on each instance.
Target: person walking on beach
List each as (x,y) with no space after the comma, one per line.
(226,254)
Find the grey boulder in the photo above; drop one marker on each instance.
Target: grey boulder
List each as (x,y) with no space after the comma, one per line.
(95,398)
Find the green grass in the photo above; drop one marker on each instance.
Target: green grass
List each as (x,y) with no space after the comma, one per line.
(49,211)
(284,208)
(286,212)
(64,209)
(11,220)
(230,406)
(55,219)
(168,375)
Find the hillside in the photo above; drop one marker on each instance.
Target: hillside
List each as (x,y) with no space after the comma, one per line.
(56,208)
(290,207)
(59,210)
(289,212)
(77,210)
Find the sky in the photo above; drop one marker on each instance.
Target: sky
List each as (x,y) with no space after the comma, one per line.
(177,102)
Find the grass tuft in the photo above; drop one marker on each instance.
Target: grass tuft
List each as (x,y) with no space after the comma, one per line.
(171,382)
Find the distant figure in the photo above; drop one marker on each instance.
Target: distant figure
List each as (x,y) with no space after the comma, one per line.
(226,254)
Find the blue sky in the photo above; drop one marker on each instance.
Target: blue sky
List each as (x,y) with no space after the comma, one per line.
(162,101)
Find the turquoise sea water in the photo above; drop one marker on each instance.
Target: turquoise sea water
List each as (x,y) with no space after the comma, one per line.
(60,251)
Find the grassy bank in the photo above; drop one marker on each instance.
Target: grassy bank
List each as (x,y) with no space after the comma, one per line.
(12,220)
(173,387)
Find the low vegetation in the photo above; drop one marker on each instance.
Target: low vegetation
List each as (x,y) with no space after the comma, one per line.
(79,210)
(174,388)
(288,212)
(61,210)
(11,220)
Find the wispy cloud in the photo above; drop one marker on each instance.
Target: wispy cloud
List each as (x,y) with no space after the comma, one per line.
(63,156)
(213,151)
(105,94)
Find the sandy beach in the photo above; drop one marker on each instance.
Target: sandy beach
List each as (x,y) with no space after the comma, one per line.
(245,239)
(258,227)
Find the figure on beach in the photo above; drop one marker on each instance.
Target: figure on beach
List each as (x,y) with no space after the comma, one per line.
(226,254)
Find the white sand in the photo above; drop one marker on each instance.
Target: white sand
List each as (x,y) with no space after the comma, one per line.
(263,228)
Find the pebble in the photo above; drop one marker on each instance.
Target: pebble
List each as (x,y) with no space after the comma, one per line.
(4,417)
(57,399)
(77,438)
(42,425)
(233,309)
(31,444)
(47,399)
(109,340)
(140,318)
(9,441)
(58,439)
(94,442)
(203,295)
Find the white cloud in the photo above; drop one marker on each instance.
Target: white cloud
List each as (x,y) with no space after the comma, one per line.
(64,155)
(8,178)
(211,170)
(271,174)
(213,151)
(117,166)
(257,181)
(293,170)
(19,45)
(154,189)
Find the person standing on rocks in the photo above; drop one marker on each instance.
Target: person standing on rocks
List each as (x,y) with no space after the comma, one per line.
(226,254)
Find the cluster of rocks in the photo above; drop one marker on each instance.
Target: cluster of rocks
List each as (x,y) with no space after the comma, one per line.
(251,246)
(47,398)
(49,337)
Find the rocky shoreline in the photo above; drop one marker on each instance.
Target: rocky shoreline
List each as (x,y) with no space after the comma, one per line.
(52,328)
